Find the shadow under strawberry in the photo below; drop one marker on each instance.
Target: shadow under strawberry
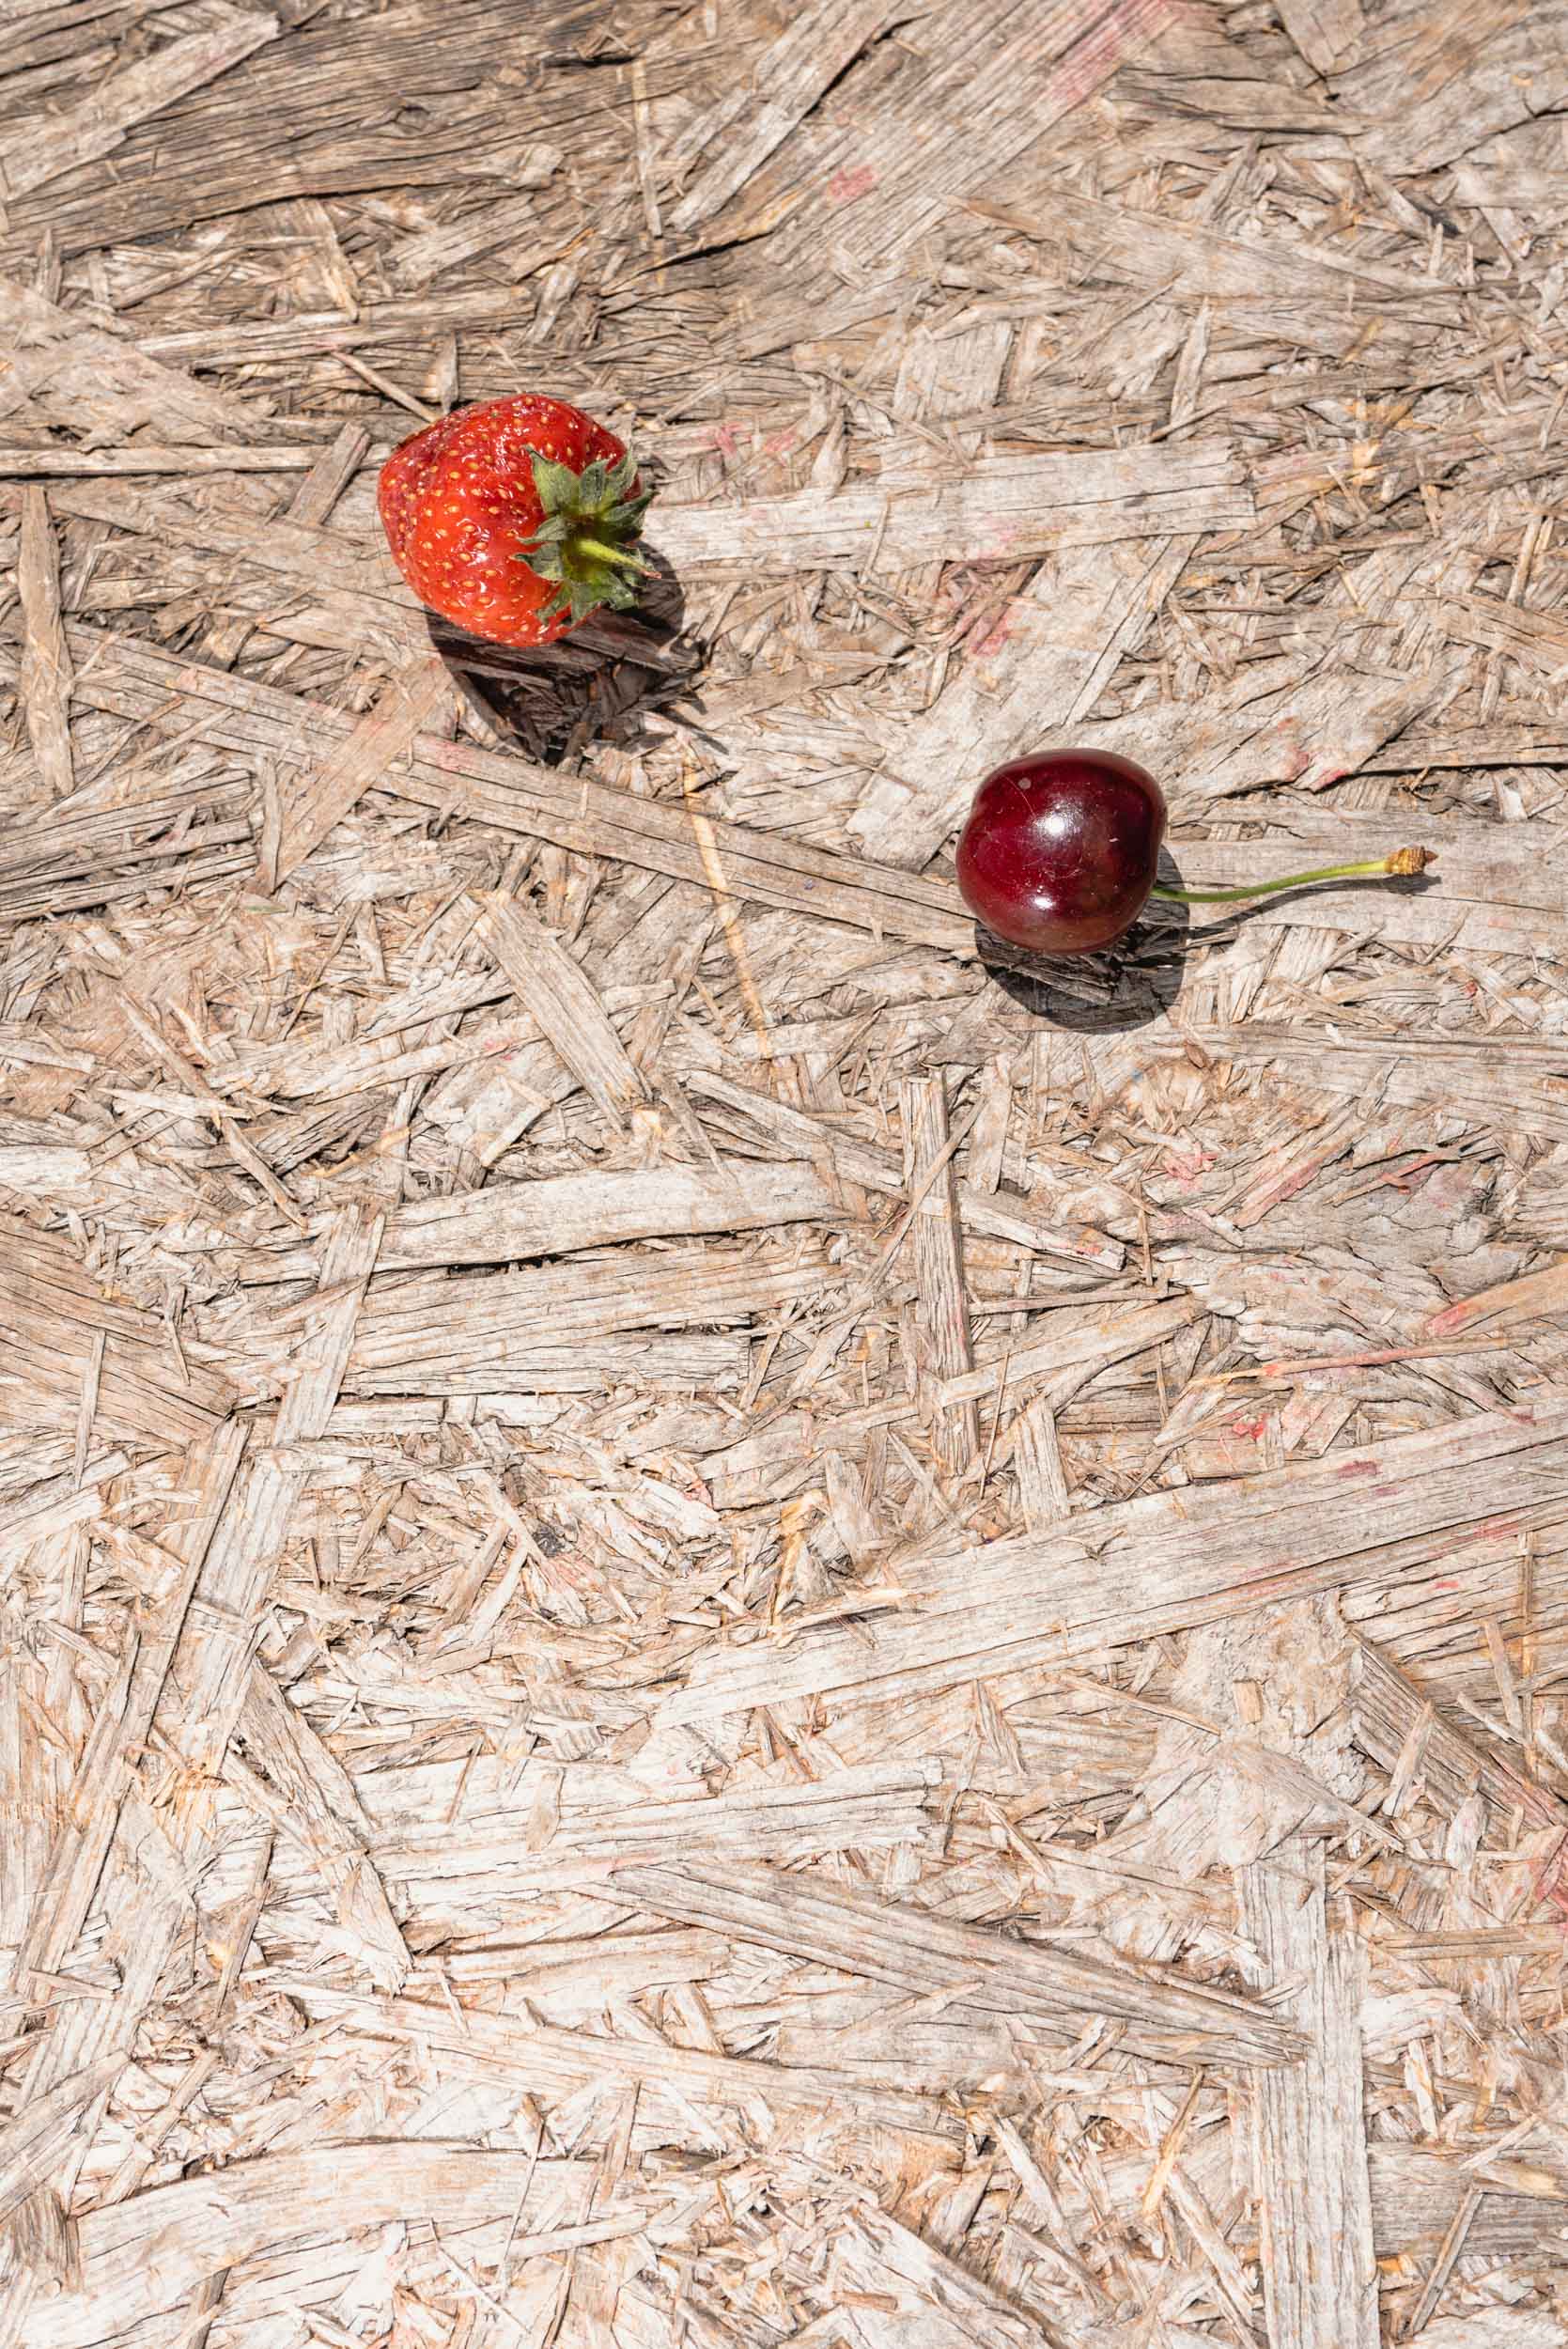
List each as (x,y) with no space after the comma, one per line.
(594,684)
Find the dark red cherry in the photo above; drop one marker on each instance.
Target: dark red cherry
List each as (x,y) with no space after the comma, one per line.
(1060,851)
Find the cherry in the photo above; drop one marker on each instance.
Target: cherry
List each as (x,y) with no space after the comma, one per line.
(1059,852)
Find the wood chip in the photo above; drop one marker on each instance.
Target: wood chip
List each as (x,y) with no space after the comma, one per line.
(42,151)
(552,988)
(45,663)
(1309,2167)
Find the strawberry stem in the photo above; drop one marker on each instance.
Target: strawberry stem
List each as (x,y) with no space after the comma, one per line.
(1398,864)
(603,553)
(584,542)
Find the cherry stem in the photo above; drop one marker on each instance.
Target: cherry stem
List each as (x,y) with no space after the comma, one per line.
(1398,864)
(607,554)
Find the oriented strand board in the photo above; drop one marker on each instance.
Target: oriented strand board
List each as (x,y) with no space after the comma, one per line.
(723,1621)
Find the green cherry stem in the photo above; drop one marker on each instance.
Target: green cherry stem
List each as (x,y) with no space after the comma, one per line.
(1399,863)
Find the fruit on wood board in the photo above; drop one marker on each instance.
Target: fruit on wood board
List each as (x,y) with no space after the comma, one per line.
(515,518)
(1061,851)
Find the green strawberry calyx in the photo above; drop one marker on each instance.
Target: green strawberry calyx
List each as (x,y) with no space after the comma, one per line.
(585,542)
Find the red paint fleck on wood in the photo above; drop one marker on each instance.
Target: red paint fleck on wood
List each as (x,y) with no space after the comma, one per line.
(847,187)
(1551,1880)
(995,636)
(1187,1167)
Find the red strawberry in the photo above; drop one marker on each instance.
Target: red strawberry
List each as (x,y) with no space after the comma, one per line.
(515,518)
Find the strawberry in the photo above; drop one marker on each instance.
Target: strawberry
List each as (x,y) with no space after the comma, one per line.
(515,518)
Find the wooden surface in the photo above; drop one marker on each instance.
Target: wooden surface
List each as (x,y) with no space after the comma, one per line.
(718,1627)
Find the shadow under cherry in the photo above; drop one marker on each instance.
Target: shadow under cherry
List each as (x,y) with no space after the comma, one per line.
(1139,978)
